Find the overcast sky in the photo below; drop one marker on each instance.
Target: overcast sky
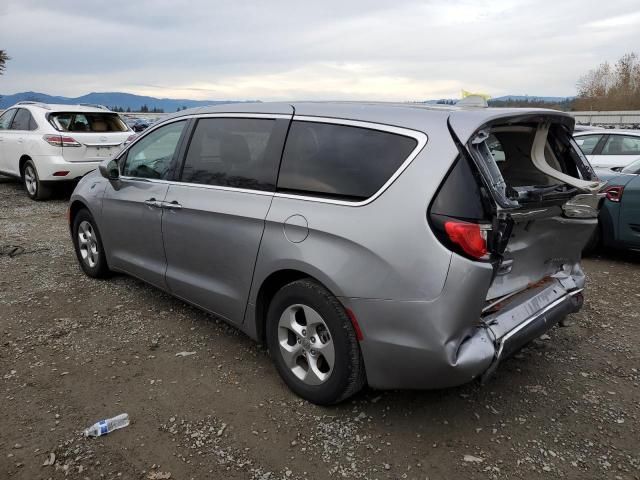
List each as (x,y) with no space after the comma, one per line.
(273,50)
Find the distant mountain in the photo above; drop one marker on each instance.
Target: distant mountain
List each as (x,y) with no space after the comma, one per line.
(505,98)
(111,99)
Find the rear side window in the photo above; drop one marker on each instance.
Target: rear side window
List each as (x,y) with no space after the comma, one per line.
(340,161)
(622,145)
(5,119)
(23,121)
(587,143)
(87,122)
(234,152)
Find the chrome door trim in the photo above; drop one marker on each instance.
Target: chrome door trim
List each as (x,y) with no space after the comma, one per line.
(420,137)
(185,118)
(198,185)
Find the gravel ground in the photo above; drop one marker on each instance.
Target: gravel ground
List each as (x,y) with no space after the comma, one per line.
(75,350)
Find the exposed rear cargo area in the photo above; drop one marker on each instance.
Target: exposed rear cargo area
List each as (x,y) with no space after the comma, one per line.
(521,186)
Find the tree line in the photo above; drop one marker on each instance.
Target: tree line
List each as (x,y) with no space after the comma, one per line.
(607,87)
(611,87)
(142,109)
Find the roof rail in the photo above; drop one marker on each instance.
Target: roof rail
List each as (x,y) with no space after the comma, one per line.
(94,105)
(31,102)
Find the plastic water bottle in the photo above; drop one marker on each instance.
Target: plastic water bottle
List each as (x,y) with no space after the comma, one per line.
(107,426)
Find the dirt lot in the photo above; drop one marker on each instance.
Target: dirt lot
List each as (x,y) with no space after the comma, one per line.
(75,350)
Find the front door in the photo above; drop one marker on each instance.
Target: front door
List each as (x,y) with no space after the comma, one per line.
(214,216)
(132,205)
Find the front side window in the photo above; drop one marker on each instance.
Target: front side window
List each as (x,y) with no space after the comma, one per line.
(622,145)
(340,161)
(5,119)
(22,120)
(232,152)
(587,143)
(154,155)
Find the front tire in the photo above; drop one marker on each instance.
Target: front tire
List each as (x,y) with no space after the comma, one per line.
(88,245)
(313,343)
(32,184)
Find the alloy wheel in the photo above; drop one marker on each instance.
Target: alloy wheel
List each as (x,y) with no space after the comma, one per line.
(88,244)
(305,344)
(30,180)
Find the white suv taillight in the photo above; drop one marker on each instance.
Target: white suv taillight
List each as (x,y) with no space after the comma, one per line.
(60,141)
(130,139)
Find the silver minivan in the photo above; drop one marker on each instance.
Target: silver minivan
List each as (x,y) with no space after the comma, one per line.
(401,246)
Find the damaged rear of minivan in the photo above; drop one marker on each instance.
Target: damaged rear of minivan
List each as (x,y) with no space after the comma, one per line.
(529,206)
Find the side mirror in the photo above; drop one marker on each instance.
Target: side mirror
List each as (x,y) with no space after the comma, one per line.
(109,169)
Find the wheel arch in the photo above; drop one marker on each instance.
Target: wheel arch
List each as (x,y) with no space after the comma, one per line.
(269,287)
(74,207)
(23,159)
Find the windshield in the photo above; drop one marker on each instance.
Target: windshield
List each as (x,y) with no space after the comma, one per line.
(632,167)
(87,122)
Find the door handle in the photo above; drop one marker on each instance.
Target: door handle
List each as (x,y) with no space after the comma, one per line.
(171,205)
(152,202)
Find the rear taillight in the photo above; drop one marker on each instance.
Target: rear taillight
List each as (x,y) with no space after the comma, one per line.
(614,193)
(60,141)
(470,237)
(130,139)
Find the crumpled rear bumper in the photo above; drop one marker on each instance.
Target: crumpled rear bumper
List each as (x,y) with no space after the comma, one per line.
(532,327)
(423,345)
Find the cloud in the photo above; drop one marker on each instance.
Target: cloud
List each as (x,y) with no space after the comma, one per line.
(401,50)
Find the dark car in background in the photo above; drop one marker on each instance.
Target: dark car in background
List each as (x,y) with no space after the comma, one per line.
(141,124)
(619,218)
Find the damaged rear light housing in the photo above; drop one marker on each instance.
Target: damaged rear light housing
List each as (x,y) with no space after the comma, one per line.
(470,237)
(614,193)
(61,141)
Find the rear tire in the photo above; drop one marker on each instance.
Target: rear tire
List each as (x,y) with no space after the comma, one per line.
(88,245)
(32,184)
(313,343)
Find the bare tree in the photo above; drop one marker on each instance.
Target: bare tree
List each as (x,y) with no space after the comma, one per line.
(611,88)
(4,58)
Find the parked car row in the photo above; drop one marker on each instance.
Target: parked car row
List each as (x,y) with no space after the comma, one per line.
(44,144)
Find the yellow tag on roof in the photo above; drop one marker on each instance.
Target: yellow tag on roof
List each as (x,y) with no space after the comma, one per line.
(466,94)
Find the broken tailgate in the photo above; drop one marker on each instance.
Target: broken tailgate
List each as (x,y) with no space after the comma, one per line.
(541,192)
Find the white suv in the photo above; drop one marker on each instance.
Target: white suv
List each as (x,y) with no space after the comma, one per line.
(43,143)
